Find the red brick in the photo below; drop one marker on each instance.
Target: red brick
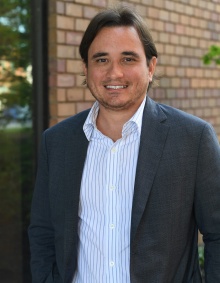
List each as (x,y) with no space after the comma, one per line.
(66,109)
(88,95)
(142,10)
(83,1)
(65,22)
(80,106)
(159,93)
(60,7)
(74,66)
(74,10)
(185,83)
(169,49)
(65,51)
(174,17)
(170,71)
(75,94)
(74,37)
(169,27)
(61,94)
(164,37)
(153,13)
(169,5)
(180,29)
(65,80)
(189,10)
(53,109)
(61,66)
(60,36)
(180,72)
(89,12)
(52,80)
(164,15)
(82,24)
(99,3)
(53,121)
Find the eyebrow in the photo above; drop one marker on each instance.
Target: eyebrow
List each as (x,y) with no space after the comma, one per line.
(131,53)
(99,54)
(126,53)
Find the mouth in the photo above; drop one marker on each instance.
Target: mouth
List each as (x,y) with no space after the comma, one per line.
(116,86)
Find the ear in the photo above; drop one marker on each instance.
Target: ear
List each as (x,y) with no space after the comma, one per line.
(152,67)
(85,70)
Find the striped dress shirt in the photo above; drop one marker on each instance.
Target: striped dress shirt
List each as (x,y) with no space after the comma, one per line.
(105,206)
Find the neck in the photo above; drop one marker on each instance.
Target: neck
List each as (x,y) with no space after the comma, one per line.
(110,123)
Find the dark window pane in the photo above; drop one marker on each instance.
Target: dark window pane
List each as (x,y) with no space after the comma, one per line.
(16,140)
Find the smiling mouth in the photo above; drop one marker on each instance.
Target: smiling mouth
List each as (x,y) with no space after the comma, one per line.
(116,86)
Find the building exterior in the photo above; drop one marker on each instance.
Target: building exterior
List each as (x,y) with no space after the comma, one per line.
(183,32)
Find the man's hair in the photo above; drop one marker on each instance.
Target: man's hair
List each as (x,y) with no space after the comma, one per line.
(117,17)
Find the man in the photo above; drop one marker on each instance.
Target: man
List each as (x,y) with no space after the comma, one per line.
(123,188)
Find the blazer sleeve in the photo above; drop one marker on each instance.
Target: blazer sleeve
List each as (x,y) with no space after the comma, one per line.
(41,234)
(207,201)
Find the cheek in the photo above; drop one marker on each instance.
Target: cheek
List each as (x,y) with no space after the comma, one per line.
(138,76)
(95,76)
(140,72)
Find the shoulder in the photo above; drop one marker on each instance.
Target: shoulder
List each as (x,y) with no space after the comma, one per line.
(73,124)
(173,116)
(180,123)
(65,132)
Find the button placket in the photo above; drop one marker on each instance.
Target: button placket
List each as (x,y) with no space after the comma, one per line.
(112,205)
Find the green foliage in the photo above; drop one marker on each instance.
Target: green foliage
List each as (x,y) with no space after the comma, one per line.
(19,93)
(14,53)
(213,55)
(16,139)
(201,256)
(15,32)
(201,260)
(18,96)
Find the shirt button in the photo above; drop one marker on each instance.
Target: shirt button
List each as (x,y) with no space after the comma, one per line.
(113,150)
(112,188)
(112,226)
(112,263)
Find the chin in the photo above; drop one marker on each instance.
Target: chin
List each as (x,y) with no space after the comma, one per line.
(116,106)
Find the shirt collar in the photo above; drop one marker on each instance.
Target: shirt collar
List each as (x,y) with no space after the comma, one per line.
(90,123)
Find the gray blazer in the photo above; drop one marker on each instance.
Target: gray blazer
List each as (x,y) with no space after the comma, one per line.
(177,192)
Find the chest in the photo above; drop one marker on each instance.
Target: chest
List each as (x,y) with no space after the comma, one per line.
(108,177)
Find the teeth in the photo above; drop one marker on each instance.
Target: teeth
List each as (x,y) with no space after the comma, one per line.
(115,86)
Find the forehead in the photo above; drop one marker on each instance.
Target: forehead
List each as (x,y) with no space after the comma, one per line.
(116,39)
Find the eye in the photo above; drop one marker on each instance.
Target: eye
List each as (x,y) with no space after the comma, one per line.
(101,60)
(128,59)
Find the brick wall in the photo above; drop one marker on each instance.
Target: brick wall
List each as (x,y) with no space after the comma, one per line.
(183,31)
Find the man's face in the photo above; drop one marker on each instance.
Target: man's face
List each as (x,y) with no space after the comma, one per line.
(117,73)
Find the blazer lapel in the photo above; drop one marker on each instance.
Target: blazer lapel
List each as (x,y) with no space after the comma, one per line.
(153,138)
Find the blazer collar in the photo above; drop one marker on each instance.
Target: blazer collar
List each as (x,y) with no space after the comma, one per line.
(153,137)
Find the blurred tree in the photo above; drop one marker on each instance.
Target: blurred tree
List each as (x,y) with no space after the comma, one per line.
(213,55)
(15,32)
(15,53)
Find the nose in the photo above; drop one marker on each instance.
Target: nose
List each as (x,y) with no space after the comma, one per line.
(115,71)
